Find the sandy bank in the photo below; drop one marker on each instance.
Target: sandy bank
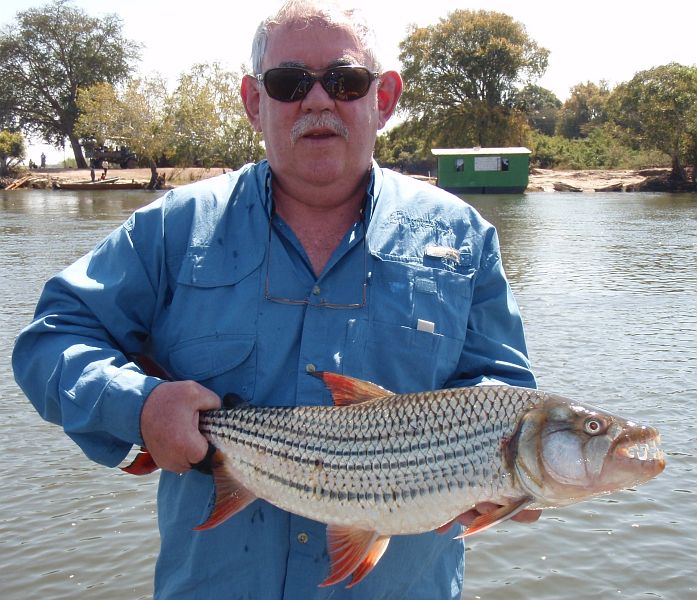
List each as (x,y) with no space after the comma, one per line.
(541,180)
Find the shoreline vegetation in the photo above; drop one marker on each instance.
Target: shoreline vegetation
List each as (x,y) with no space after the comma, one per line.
(541,180)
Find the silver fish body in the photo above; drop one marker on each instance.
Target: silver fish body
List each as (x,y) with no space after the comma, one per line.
(397,465)
(378,464)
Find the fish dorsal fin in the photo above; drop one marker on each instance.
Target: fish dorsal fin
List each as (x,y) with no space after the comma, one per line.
(495,517)
(230,495)
(347,390)
(352,551)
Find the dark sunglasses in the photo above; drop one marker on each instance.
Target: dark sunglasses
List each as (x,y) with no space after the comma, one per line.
(290,84)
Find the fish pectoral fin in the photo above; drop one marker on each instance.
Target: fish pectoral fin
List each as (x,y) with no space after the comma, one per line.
(143,464)
(352,551)
(495,517)
(347,390)
(230,495)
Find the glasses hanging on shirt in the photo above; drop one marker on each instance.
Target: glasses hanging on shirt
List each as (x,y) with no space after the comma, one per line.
(322,303)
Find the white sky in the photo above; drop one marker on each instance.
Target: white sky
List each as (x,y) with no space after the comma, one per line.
(588,41)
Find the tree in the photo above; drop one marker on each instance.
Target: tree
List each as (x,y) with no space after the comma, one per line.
(47,55)
(209,122)
(11,150)
(540,105)
(658,107)
(135,116)
(461,76)
(584,109)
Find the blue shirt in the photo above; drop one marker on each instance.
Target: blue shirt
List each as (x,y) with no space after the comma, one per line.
(200,280)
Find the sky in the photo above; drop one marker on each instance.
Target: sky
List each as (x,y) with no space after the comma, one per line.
(592,40)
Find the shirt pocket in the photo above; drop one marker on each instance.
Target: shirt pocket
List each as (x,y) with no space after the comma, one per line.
(416,325)
(222,362)
(209,330)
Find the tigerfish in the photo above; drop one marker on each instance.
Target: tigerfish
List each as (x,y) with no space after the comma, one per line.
(378,464)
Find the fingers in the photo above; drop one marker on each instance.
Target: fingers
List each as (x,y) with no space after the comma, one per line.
(169,424)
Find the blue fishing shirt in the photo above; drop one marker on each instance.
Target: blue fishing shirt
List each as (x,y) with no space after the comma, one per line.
(188,280)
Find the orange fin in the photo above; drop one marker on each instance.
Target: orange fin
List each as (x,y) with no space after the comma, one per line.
(352,551)
(230,495)
(349,390)
(495,517)
(143,464)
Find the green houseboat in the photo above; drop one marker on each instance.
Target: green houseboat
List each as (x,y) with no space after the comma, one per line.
(483,170)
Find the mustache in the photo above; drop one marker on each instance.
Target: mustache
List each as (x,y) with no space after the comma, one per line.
(325,120)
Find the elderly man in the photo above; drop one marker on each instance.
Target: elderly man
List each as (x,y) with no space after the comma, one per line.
(315,258)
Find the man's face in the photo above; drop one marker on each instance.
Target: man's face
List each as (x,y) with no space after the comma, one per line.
(336,151)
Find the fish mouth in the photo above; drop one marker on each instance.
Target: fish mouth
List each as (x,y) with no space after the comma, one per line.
(641,448)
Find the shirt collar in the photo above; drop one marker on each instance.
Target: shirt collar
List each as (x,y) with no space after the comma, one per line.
(371,194)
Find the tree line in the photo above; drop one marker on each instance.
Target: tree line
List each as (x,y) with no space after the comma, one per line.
(470,80)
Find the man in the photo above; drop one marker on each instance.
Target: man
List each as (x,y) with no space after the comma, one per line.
(316,259)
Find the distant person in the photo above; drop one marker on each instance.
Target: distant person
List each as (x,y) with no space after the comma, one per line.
(43,160)
(105,168)
(92,174)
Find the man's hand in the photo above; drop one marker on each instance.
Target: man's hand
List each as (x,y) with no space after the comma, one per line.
(466,518)
(169,424)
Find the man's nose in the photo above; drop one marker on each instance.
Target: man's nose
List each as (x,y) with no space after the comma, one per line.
(317,98)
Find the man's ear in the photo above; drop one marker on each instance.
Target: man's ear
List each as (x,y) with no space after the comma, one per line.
(249,90)
(389,91)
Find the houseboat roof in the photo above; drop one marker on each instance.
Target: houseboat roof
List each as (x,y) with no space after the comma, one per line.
(478,151)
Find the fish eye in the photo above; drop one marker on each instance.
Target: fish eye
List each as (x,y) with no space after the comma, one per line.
(593,426)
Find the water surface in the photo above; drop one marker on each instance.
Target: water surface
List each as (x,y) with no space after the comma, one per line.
(608,288)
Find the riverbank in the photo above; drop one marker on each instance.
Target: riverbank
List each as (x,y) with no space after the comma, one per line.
(541,180)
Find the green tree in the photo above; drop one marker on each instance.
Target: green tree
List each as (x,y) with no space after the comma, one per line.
(584,110)
(403,149)
(658,108)
(461,76)
(51,52)
(12,151)
(209,123)
(135,116)
(540,105)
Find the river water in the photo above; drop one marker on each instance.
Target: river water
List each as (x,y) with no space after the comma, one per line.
(607,284)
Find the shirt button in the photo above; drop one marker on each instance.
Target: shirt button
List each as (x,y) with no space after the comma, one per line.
(316,290)
(303,537)
(310,368)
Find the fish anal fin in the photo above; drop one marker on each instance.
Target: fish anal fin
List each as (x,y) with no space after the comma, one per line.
(230,496)
(347,390)
(352,551)
(143,464)
(495,517)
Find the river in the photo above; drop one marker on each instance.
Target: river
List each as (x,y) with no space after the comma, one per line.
(607,284)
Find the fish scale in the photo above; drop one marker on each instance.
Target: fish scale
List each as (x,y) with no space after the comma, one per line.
(397,465)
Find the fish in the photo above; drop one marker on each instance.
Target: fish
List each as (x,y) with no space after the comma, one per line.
(378,464)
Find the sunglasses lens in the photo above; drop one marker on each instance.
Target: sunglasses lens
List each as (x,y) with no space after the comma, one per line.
(289,84)
(347,83)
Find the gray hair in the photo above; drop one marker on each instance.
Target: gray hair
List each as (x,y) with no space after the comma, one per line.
(326,12)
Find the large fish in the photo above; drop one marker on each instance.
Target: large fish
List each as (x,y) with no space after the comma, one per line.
(378,464)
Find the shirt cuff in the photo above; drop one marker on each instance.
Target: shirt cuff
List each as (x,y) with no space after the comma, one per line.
(123,402)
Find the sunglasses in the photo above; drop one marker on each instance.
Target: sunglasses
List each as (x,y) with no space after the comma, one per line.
(290,84)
